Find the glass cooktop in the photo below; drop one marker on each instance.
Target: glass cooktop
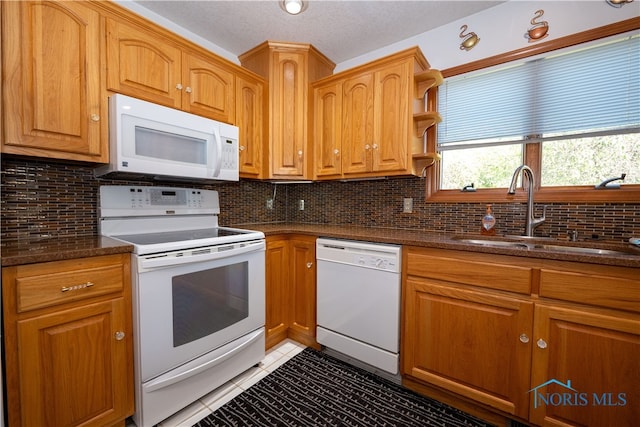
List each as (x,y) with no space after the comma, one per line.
(180,236)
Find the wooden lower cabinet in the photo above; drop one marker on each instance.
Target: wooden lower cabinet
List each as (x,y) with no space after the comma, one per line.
(463,340)
(599,353)
(291,289)
(69,362)
(302,314)
(277,290)
(568,361)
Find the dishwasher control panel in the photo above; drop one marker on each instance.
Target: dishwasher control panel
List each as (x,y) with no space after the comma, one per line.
(369,255)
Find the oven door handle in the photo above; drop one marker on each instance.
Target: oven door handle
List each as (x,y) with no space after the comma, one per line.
(168,260)
(191,369)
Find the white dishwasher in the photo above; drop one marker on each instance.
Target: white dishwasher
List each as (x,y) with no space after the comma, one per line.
(358,301)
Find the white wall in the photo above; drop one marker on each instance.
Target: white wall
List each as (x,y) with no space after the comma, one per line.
(164,22)
(502,29)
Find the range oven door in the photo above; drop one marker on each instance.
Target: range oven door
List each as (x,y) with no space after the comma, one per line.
(188,303)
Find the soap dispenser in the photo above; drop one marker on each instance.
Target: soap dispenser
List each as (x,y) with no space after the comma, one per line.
(488,223)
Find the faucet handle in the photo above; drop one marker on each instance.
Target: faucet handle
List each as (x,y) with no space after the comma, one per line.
(537,221)
(544,213)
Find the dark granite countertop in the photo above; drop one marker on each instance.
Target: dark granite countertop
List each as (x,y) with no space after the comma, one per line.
(450,241)
(55,249)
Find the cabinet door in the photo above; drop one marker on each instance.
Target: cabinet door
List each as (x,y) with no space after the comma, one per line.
(357,124)
(288,118)
(53,104)
(391,112)
(249,112)
(327,130)
(208,90)
(277,290)
(143,65)
(473,343)
(77,369)
(302,261)
(586,367)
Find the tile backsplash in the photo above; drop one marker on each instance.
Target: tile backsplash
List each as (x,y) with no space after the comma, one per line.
(46,199)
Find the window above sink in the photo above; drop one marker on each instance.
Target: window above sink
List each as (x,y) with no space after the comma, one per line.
(570,156)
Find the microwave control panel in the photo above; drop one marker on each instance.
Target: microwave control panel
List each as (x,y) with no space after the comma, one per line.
(229,154)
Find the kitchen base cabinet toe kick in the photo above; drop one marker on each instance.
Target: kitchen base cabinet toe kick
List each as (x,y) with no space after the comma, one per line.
(544,342)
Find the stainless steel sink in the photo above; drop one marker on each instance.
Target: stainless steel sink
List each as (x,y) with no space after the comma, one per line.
(545,244)
(586,250)
(496,243)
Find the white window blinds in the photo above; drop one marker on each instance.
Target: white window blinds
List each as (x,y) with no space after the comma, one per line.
(584,91)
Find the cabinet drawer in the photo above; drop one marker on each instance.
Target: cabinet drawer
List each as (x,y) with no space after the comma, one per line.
(591,288)
(487,271)
(48,284)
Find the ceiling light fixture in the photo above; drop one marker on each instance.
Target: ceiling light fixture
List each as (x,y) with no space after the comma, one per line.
(293,7)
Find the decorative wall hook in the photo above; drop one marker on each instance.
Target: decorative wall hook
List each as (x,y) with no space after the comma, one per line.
(538,30)
(618,3)
(470,39)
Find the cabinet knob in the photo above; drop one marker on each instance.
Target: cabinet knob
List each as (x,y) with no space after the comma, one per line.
(241,148)
(119,335)
(309,264)
(524,338)
(299,154)
(95,118)
(179,86)
(336,151)
(188,89)
(541,343)
(367,147)
(375,146)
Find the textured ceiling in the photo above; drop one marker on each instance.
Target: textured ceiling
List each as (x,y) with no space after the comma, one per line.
(340,29)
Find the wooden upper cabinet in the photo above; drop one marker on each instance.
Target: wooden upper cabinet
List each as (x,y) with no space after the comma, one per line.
(249,119)
(377,120)
(327,130)
(357,124)
(208,89)
(143,64)
(289,69)
(288,120)
(52,92)
(392,136)
(375,123)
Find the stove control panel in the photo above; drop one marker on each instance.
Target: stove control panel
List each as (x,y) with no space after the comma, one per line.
(128,200)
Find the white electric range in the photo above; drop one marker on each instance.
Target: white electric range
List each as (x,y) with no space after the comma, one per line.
(198,293)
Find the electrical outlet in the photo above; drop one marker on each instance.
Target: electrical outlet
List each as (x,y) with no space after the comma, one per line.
(270,204)
(301,205)
(407,205)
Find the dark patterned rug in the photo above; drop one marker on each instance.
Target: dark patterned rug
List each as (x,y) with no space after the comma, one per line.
(315,389)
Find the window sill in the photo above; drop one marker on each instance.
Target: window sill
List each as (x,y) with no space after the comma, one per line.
(586,194)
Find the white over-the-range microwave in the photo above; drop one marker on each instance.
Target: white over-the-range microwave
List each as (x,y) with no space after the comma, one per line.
(150,139)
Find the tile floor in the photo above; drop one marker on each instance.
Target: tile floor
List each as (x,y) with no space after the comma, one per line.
(275,357)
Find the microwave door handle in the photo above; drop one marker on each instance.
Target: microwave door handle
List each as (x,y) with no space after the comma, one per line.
(218,142)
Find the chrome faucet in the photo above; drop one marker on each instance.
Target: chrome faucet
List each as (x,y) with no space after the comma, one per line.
(532,221)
